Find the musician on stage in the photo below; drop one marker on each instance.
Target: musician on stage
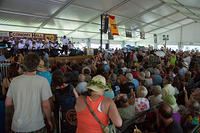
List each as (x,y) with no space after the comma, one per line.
(21,45)
(65,42)
(34,47)
(30,44)
(42,45)
(12,42)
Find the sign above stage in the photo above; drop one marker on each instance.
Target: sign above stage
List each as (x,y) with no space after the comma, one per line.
(4,34)
(28,35)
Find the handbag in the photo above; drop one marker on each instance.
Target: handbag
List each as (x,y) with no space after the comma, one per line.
(106,129)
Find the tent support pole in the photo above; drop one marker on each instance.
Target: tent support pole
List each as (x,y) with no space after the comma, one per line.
(101,35)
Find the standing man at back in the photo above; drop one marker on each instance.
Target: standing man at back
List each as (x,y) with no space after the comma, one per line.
(30,93)
(65,42)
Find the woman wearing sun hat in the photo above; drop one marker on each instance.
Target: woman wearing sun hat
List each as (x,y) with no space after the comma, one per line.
(104,108)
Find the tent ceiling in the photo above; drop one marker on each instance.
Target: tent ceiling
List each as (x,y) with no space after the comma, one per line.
(81,18)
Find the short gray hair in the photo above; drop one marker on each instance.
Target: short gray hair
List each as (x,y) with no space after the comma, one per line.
(129,76)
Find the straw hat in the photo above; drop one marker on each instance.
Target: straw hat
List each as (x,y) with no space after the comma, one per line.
(171,100)
(41,66)
(98,83)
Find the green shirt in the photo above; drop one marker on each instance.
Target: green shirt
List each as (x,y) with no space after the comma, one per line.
(172,60)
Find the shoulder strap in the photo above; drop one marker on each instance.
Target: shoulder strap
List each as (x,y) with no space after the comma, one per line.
(102,126)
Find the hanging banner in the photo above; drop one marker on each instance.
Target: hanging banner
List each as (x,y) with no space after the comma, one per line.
(113,25)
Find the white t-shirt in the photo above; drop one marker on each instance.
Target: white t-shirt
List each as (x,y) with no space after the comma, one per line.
(30,44)
(27,93)
(52,46)
(21,45)
(12,42)
(24,41)
(42,46)
(65,41)
(37,46)
(56,46)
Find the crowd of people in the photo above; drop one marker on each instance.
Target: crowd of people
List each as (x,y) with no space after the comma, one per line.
(135,91)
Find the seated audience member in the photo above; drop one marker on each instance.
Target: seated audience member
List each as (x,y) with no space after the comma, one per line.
(156,98)
(191,117)
(148,80)
(135,72)
(80,88)
(114,84)
(129,76)
(195,95)
(184,69)
(126,110)
(141,76)
(103,108)
(121,76)
(64,102)
(171,100)
(42,70)
(109,93)
(141,103)
(87,71)
(157,79)
(168,89)
(165,121)
(127,86)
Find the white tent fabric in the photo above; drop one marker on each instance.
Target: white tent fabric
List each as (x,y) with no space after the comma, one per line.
(81,18)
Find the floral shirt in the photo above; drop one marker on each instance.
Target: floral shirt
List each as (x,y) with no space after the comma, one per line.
(141,104)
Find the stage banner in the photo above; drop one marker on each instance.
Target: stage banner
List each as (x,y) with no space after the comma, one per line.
(38,35)
(4,34)
(113,25)
(52,37)
(21,34)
